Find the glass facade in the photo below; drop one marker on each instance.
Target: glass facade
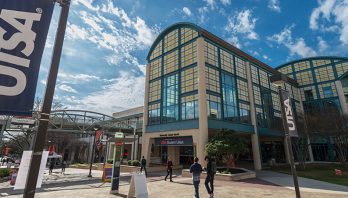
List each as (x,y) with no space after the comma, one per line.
(170,99)
(229,97)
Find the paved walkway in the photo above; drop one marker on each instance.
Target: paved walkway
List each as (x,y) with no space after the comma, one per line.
(76,184)
(306,185)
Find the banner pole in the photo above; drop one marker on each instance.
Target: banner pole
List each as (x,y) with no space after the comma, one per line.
(40,138)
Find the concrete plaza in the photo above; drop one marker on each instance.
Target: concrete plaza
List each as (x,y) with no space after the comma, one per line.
(75,183)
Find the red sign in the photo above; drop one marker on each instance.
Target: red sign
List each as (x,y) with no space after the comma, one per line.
(98,135)
(6,151)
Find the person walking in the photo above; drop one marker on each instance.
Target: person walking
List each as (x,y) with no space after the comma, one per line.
(51,166)
(169,170)
(196,170)
(211,171)
(63,167)
(143,165)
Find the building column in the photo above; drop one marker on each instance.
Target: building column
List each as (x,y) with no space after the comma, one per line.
(255,142)
(310,151)
(145,144)
(202,100)
(136,149)
(341,97)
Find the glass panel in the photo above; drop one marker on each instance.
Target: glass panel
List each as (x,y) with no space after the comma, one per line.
(155,68)
(171,62)
(211,54)
(286,69)
(263,79)
(254,74)
(189,107)
(304,78)
(317,63)
(226,61)
(341,68)
(244,113)
(324,74)
(229,97)
(187,34)
(189,54)
(213,106)
(170,99)
(241,67)
(154,113)
(212,79)
(302,65)
(327,90)
(189,79)
(243,90)
(171,40)
(155,90)
(157,51)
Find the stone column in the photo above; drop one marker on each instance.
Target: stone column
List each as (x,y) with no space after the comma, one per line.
(254,137)
(202,100)
(145,140)
(341,97)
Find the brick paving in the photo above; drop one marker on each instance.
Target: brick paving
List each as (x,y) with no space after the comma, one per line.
(76,184)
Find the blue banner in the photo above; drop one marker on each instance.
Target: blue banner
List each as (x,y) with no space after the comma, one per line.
(23,30)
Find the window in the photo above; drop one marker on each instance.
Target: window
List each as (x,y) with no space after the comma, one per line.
(327,90)
(243,90)
(302,66)
(313,93)
(275,101)
(259,117)
(170,62)
(241,67)
(254,74)
(171,40)
(189,107)
(213,106)
(226,61)
(324,74)
(155,68)
(257,94)
(304,78)
(341,68)
(308,95)
(244,113)
(155,90)
(286,69)
(211,54)
(157,51)
(154,114)
(187,34)
(189,54)
(264,79)
(170,99)
(189,79)
(229,97)
(212,79)
(317,63)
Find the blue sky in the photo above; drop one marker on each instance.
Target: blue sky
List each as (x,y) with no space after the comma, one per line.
(104,56)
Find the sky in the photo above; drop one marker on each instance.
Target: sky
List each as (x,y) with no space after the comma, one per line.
(103,62)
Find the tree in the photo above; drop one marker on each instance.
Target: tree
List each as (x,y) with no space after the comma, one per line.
(227,145)
(329,123)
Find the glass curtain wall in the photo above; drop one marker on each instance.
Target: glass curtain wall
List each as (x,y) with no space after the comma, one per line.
(170,99)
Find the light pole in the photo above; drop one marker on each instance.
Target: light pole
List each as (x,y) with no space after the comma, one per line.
(92,157)
(288,123)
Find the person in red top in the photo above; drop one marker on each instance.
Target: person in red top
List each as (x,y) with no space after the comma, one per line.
(169,170)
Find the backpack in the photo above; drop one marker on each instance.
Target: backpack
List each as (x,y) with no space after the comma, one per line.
(213,167)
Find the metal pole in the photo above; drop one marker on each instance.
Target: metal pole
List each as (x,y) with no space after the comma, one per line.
(92,157)
(40,138)
(134,132)
(289,147)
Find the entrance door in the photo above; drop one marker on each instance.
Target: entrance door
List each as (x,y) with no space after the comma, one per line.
(164,154)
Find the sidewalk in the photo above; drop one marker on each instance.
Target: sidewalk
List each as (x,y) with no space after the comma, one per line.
(306,185)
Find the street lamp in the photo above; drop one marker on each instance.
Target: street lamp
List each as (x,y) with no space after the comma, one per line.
(288,122)
(96,128)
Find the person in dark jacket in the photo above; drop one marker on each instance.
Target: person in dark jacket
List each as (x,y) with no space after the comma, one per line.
(51,166)
(211,170)
(169,170)
(196,170)
(143,165)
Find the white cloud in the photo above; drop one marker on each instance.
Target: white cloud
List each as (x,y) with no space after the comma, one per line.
(75,32)
(226,2)
(73,78)
(129,93)
(331,15)
(211,3)
(202,17)
(297,46)
(266,57)
(144,34)
(187,11)
(241,24)
(274,5)
(322,45)
(66,88)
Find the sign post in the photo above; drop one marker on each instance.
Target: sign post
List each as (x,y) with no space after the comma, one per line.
(115,180)
(290,131)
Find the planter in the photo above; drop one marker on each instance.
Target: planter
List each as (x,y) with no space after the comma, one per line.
(246,174)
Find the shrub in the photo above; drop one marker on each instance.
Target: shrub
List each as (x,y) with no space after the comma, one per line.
(4,172)
(135,163)
(109,161)
(130,162)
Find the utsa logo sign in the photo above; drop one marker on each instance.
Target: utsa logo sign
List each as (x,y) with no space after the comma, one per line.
(24,37)
(289,115)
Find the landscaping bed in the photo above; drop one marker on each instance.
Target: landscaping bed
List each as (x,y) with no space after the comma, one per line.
(321,172)
(226,174)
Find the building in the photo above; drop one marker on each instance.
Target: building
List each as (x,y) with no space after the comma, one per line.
(323,81)
(196,85)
